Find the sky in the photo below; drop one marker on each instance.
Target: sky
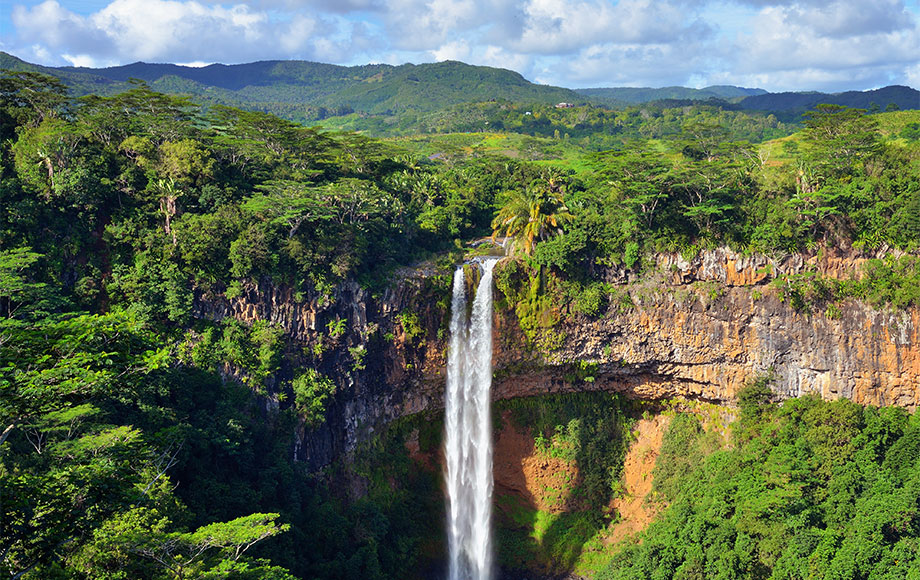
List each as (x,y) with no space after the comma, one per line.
(777,45)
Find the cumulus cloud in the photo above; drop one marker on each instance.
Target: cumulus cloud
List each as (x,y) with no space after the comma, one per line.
(499,57)
(794,50)
(566,26)
(50,27)
(454,50)
(170,30)
(775,44)
(153,28)
(628,65)
(844,19)
(426,25)
(324,6)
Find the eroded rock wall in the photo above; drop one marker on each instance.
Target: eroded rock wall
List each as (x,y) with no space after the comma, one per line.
(699,328)
(688,344)
(400,372)
(704,327)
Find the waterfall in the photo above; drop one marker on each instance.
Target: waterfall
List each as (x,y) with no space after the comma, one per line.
(468,441)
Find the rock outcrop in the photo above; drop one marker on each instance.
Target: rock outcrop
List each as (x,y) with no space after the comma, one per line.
(689,344)
(700,328)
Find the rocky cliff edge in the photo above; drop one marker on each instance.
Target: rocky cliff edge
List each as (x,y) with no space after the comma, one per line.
(699,327)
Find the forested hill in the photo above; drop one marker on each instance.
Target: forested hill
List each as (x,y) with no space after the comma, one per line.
(636,95)
(758,99)
(308,91)
(900,96)
(288,87)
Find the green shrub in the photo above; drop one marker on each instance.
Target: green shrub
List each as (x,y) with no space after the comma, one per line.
(825,490)
(311,391)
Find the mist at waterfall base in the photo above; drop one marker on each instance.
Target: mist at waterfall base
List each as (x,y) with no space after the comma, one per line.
(468,438)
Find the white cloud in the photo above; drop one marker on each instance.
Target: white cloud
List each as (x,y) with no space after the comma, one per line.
(150,29)
(499,57)
(79,60)
(454,50)
(844,19)
(791,50)
(566,26)
(629,65)
(426,25)
(174,31)
(50,28)
(299,32)
(912,76)
(775,44)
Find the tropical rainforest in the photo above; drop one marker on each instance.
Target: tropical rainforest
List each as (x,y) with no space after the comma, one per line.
(140,439)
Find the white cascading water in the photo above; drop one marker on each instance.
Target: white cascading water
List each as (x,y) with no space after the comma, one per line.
(468,440)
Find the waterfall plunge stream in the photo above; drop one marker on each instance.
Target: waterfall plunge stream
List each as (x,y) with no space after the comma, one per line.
(469,431)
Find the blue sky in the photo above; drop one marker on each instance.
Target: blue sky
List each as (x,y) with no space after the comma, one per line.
(777,45)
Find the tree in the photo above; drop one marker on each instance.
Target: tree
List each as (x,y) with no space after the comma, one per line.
(255,136)
(840,138)
(291,203)
(44,153)
(31,98)
(534,213)
(311,389)
(61,467)
(707,188)
(139,111)
(642,180)
(168,192)
(18,293)
(186,161)
(214,551)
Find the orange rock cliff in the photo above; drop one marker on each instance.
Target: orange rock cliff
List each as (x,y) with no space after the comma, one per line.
(699,328)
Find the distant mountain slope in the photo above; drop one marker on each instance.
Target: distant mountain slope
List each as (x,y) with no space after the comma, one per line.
(628,95)
(270,84)
(80,82)
(430,87)
(309,91)
(901,96)
(240,76)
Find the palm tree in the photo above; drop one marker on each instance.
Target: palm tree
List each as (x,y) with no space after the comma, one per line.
(169,192)
(534,213)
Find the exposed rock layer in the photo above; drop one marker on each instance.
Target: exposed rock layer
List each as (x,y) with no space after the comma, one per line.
(702,328)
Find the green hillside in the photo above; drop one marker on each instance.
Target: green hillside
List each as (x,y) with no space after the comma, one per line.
(900,97)
(303,91)
(436,97)
(630,95)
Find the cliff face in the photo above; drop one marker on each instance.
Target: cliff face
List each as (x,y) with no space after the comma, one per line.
(700,328)
(400,372)
(704,327)
(690,344)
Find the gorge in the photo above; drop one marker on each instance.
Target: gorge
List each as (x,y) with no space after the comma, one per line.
(695,329)
(223,332)
(700,328)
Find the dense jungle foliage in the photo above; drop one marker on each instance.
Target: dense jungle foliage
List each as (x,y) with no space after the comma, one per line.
(583,126)
(808,489)
(123,452)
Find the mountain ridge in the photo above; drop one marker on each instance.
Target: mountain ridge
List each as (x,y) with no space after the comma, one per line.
(903,97)
(370,89)
(638,95)
(382,89)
